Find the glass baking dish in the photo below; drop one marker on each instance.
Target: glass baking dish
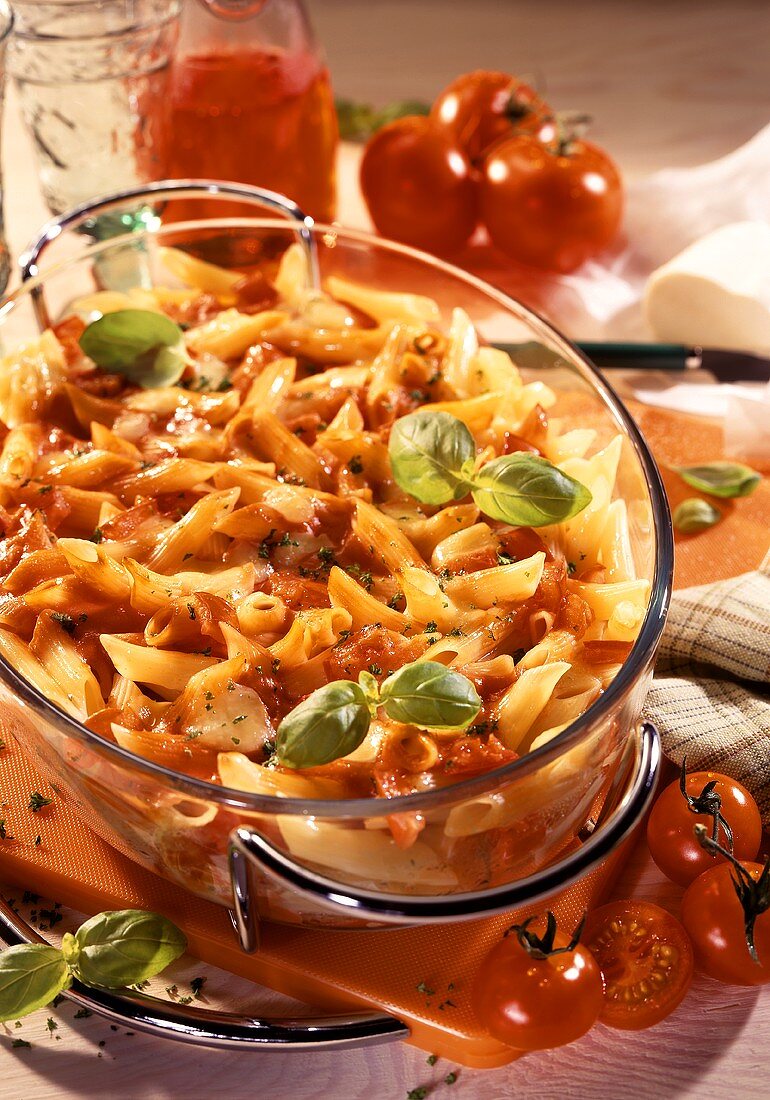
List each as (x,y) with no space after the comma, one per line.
(552,814)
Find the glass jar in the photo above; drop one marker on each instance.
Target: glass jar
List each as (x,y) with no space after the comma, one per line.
(251,102)
(91,76)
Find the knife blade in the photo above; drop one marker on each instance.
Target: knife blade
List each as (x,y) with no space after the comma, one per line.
(726,366)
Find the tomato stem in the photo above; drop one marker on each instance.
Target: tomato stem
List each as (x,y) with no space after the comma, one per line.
(542,947)
(708,802)
(753,894)
(570,127)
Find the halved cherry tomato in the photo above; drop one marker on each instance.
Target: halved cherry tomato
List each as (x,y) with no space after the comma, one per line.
(534,1003)
(713,915)
(646,959)
(550,206)
(670,834)
(480,108)
(418,187)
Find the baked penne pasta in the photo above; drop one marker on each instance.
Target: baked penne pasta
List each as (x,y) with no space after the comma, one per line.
(183,565)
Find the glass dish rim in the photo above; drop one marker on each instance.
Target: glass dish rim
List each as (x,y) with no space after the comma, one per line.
(106,36)
(375,806)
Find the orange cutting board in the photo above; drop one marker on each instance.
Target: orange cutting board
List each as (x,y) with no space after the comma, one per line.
(387,970)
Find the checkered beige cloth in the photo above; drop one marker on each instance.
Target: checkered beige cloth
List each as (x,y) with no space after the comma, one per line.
(710,697)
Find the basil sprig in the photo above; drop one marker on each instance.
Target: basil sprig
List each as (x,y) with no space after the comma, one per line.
(721,479)
(432,458)
(144,346)
(335,719)
(694,515)
(112,950)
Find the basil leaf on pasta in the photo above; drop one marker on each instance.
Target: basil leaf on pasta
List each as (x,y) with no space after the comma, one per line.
(121,948)
(430,695)
(31,975)
(528,491)
(721,479)
(430,455)
(329,724)
(143,346)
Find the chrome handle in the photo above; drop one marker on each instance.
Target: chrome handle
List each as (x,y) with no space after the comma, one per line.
(189,1024)
(209,189)
(252,857)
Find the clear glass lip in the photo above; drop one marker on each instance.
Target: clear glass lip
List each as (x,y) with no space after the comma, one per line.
(104,35)
(638,660)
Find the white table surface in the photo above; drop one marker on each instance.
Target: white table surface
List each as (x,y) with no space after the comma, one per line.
(633,65)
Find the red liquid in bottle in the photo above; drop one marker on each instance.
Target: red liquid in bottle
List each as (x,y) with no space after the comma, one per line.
(263,117)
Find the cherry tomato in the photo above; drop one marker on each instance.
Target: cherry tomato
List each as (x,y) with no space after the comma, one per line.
(537,1003)
(670,835)
(550,206)
(646,960)
(418,187)
(480,108)
(714,917)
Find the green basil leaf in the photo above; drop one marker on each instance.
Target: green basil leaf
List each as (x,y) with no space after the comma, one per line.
(145,347)
(329,724)
(431,696)
(721,479)
(527,491)
(31,975)
(430,453)
(126,946)
(695,515)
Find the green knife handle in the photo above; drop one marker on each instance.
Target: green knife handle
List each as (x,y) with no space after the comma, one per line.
(640,356)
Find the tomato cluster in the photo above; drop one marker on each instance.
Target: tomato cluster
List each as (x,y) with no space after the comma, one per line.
(492,152)
(636,961)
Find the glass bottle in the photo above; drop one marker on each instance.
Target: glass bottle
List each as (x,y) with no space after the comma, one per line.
(251,102)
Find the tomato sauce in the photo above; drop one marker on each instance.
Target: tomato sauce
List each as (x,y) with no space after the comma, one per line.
(261,117)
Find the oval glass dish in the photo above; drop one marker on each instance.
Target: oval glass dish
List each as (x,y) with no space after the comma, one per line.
(487,843)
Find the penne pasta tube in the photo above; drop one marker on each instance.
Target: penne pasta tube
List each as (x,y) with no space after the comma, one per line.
(165,671)
(171,475)
(425,600)
(260,614)
(525,699)
(36,568)
(200,274)
(90,409)
(19,454)
(30,377)
(20,656)
(384,538)
(271,386)
(241,774)
(486,588)
(604,598)
(85,509)
(384,305)
(92,565)
(150,591)
(89,470)
(362,606)
(189,534)
(59,656)
(230,334)
(280,446)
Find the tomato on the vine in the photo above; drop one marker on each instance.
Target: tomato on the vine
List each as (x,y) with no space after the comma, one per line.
(418,187)
(551,206)
(726,912)
(534,992)
(480,108)
(646,960)
(705,798)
